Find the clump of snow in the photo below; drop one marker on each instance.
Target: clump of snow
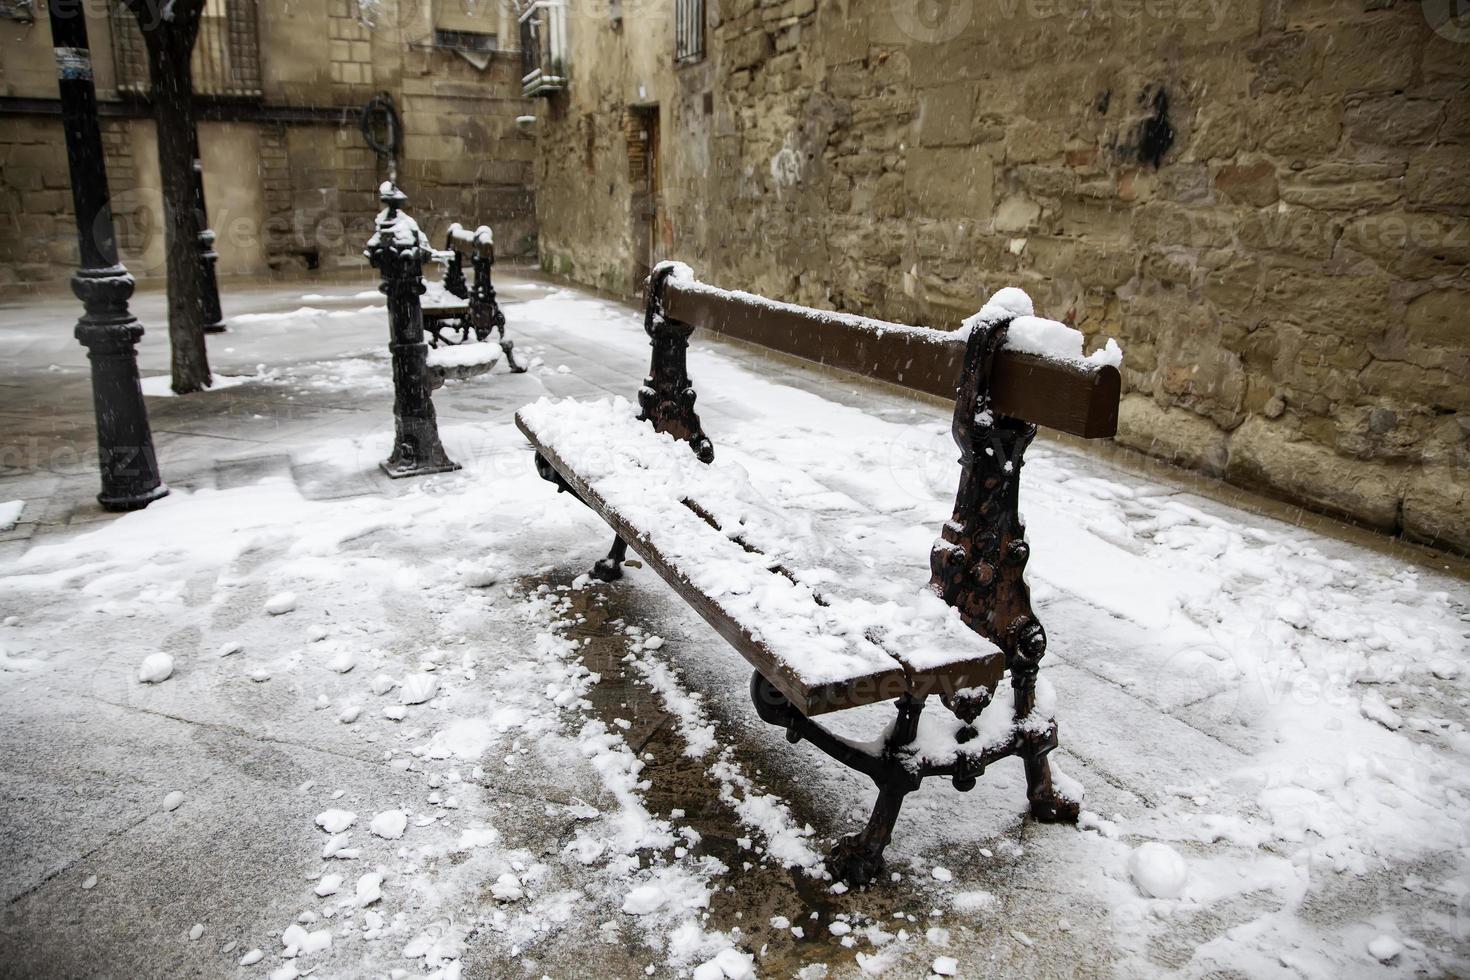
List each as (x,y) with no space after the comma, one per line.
(418,688)
(10,512)
(280,603)
(1158,870)
(1385,949)
(173,801)
(1007,302)
(1376,709)
(369,888)
(677,270)
(334,821)
(507,888)
(389,824)
(946,966)
(329,885)
(156,668)
(644,899)
(728,964)
(1031,334)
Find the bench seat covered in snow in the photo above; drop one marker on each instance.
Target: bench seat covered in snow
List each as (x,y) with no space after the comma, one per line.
(712,536)
(819,639)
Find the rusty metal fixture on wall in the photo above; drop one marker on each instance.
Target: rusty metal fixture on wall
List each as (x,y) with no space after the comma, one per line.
(398,250)
(380,111)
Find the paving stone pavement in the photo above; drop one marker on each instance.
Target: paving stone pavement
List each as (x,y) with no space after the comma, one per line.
(84,760)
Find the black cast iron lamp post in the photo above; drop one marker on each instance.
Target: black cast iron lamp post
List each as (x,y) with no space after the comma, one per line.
(129,466)
(398,250)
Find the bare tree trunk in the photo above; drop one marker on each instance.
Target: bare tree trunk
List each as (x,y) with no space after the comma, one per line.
(170,45)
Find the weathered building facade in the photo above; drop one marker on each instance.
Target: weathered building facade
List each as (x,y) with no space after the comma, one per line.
(1266,201)
(290,180)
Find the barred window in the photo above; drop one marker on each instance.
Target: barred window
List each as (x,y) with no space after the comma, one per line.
(688,31)
(226,54)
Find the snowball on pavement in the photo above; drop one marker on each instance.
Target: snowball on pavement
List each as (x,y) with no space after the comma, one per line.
(280,603)
(1158,870)
(1385,949)
(155,668)
(946,966)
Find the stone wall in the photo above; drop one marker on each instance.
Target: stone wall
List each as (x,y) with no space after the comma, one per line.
(298,190)
(1266,201)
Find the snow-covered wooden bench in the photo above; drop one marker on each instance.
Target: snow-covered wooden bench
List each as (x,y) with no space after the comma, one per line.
(820,641)
(455,309)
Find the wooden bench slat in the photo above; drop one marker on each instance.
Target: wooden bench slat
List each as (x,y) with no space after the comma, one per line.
(984,670)
(1059,395)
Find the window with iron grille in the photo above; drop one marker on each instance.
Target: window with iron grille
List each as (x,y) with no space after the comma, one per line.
(226,54)
(688,31)
(543,47)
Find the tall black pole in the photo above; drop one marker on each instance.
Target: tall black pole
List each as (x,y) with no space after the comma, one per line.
(209,282)
(398,250)
(130,478)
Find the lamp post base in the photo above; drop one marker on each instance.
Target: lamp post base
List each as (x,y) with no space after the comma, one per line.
(399,470)
(120,503)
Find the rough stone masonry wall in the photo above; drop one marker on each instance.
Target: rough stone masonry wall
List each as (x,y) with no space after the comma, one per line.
(1289,282)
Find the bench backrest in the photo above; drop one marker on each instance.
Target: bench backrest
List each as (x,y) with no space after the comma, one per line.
(479,247)
(978,563)
(1069,397)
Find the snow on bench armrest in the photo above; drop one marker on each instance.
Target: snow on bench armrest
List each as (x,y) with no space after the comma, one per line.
(1031,334)
(647,478)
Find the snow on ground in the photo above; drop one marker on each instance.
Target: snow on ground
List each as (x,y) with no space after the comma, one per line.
(1270,725)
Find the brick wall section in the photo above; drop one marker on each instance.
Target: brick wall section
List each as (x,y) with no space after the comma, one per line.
(1289,284)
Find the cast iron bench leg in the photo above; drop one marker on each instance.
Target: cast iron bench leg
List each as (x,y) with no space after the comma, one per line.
(857,858)
(1047,805)
(510,358)
(610,569)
